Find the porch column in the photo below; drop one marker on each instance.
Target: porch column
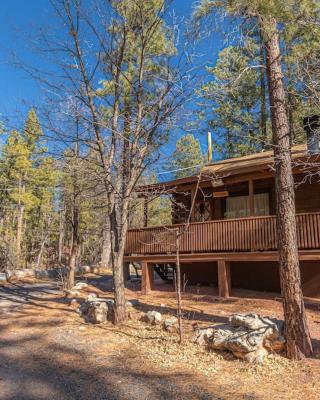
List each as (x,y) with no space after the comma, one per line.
(147,278)
(251,198)
(224,278)
(145,211)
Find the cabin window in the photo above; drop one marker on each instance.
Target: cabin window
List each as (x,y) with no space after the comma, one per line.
(261,204)
(238,206)
(202,210)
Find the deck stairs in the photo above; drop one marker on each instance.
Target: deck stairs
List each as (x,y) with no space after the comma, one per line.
(165,271)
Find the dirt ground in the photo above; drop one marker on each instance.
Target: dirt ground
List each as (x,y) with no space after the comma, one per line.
(47,351)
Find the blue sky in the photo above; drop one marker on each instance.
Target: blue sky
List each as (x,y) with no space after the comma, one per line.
(18,18)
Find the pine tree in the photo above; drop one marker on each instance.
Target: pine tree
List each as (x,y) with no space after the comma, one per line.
(28,178)
(187,158)
(271,17)
(234,94)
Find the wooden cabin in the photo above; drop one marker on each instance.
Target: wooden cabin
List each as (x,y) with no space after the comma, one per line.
(229,238)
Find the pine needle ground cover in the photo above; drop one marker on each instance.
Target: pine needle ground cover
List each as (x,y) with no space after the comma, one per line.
(48,351)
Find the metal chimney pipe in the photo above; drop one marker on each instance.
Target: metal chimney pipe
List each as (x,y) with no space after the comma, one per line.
(311,125)
(209,147)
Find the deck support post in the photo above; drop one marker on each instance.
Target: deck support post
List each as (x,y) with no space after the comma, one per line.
(224,278)
(147,283)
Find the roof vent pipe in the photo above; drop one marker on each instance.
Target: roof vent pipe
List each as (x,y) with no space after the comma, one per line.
(311,124)
(209,147)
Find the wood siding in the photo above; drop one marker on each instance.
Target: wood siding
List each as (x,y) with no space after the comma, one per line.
(243,234)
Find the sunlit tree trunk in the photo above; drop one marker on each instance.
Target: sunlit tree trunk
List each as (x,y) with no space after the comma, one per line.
(298,343)
(19,226)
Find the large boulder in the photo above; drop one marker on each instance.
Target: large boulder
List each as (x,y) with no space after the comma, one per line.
(250,337)
(170,324)
(96,311)
(152,317)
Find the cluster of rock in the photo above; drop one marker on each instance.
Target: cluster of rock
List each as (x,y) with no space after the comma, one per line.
(95,310)
(169,324)
(75,292)
(54,273)
(249,337)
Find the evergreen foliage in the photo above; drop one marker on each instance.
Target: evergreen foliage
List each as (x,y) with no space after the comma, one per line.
(187,158)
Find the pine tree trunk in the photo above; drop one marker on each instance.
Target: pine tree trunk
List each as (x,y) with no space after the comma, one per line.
(298,342)
(263,107)
(74,248)
(62,217)
(106,246)
(119,293)
(178,286)
(19,227)
(118,234)
(72,266)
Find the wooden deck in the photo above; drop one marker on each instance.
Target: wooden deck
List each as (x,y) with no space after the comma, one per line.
(224,237)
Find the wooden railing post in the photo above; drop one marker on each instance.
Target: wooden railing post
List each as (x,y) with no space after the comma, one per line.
(147,283)
(224,278)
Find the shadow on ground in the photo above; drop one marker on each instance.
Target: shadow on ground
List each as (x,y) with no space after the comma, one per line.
(36,363)
(59,371)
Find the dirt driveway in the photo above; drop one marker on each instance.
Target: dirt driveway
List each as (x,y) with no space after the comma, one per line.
(47,352)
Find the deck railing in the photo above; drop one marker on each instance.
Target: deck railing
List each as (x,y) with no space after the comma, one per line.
(243,234)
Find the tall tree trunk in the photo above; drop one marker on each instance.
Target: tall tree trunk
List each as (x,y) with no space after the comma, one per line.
(118,235)
(106,246)
(178,286)
(19,226)
(263,105)
(74,247)
(298,343)
(62,217)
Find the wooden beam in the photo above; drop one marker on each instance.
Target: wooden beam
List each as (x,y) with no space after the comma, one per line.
(147,283)
(224,278)
(304,255)
(251,198)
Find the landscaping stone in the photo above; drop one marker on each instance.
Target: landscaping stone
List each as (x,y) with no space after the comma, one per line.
(152,317)
(171,324)
(72,293)
(74,303)
(203,335)
(92,297)
(80,285)
(94,312)
(3,276)
(249,337)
